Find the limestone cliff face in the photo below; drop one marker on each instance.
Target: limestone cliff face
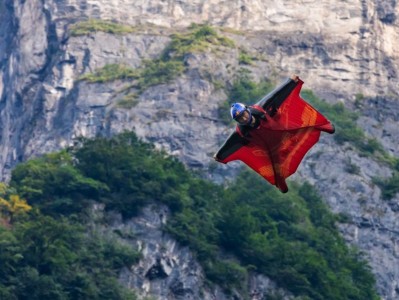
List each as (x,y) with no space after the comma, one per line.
(341,49)
(346,45)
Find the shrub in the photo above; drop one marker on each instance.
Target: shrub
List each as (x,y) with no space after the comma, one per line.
(200,38)
(109,73)
(94,25)
(244,58)
(46,258)
(158,72)
(389,187)
(128,101)
(55,185)
(167,67)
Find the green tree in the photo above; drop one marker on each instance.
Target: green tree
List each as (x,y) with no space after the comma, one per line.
(44,258)
(55,185)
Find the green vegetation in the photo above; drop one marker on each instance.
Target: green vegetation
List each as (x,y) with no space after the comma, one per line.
(292,238)
(93,25)
(158,72)
(247,91)
(53,180)
(109,73)
(11,205)
(44,255)
(389,187)
(199,39)
(244,58)
(351,168)
(152,73)
(46,258)
(359,99)
(167,67)
(128,101)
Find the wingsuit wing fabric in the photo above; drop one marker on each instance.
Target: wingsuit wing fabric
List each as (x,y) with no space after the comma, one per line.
(276,148)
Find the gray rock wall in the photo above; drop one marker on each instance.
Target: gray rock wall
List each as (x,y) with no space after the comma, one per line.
(340,49)
(169,271)
(343,49)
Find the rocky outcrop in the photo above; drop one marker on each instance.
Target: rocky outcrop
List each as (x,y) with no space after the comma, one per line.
(343,50)
(169,271)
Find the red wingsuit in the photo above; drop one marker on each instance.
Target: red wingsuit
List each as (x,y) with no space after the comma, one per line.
(288,128)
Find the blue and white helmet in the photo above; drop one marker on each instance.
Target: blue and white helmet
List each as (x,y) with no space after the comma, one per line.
(237,109)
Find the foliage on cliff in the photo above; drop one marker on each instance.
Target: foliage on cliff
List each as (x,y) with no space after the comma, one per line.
(94,25)
(168,66)
(46,258)
(200,38)
(290,238)
(44,255)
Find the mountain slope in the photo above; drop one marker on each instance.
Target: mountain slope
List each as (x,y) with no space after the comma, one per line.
(345,52)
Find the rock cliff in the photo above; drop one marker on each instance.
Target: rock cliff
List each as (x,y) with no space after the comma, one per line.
(342,50)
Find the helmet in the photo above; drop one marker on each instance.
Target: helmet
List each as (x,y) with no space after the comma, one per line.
(236,111)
